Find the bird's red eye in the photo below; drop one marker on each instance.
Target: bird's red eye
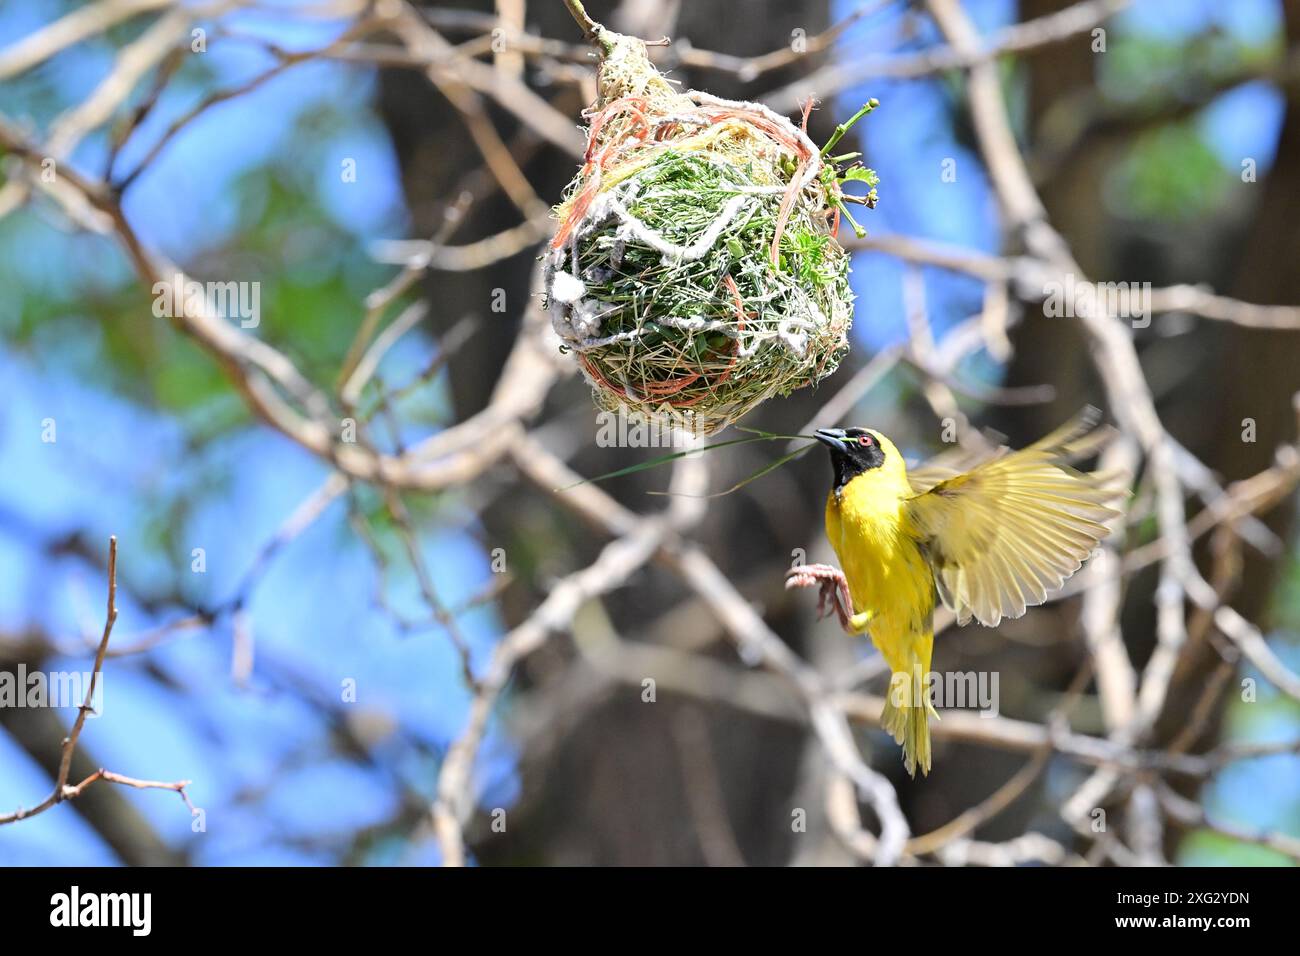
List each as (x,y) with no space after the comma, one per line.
(864,440)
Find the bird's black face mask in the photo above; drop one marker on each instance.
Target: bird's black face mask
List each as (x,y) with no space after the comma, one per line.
(853,451)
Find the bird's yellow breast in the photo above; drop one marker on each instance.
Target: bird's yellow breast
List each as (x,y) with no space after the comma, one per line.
(888,575)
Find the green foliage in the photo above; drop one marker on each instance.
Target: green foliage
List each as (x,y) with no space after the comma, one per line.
(1205,847)
(1141,66)
(1172,174)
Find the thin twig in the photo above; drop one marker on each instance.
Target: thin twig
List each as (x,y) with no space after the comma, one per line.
(62,791)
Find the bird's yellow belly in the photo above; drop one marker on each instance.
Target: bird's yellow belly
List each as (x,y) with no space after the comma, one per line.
(888,575)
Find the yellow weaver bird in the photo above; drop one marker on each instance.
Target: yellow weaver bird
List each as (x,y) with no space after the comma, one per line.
(992,541)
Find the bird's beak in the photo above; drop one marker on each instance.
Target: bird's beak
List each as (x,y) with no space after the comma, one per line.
(832,438)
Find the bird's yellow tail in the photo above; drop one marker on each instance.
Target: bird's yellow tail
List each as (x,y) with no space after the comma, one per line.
(906,716)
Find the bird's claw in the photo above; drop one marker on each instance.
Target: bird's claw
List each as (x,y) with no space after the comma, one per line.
(833,590)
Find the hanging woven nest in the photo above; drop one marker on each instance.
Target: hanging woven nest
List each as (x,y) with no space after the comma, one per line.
(695,272)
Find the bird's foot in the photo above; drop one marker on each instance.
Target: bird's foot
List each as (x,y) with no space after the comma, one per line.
(832,594)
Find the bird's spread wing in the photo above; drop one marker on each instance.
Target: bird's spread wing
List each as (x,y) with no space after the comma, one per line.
(945,465)
(1007,534)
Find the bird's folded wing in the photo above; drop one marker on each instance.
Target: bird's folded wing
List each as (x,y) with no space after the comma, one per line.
(1006,535)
